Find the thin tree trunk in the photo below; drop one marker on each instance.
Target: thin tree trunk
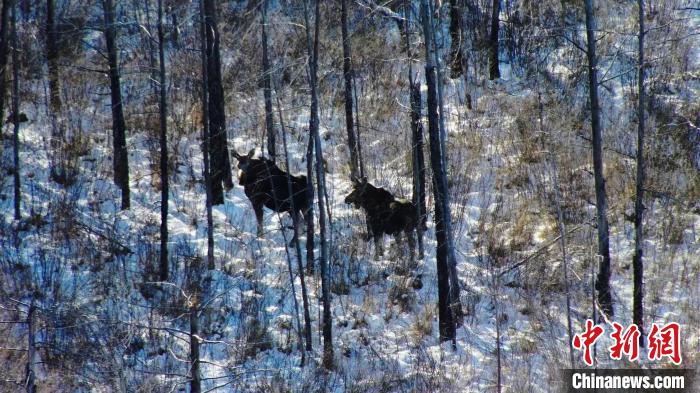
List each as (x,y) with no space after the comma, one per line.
(446,319)
(206,137)
(602,284)
(637,261)
(494,71)
(195,377)
(267,89)
(164,178)
(4,48)
(456,38)
(297,244)
(565,261)
(121,157)
(320,185)
(455,302)
(15,114)
(52,58)
(31,350)
(418,158)
(347,74)
(220,160)
(310,259)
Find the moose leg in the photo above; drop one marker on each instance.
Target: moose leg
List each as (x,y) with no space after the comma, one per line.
(411,244)
(419,235)
(378,245)
(259,218)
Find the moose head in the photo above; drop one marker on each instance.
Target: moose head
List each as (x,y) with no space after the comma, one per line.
(243,160)
(356,196)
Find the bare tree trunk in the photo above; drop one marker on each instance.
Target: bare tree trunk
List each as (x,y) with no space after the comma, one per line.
(31,349)
(195,376)
(267,89)
(164,178)
(121,157)
(494,71)
(220,160)
(565,261)
(297,245)
(52,58)
(206,137)
(15,114)
(446,318)
(602,284)
(320,184)
(637,261)
(418,158)
(347,74)
(4,48)
(456,38)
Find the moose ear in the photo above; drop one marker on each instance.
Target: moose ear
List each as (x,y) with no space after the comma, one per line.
(235,154)
(354,180)
(364,179)
(251,153)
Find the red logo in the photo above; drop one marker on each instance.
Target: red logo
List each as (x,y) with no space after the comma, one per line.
(665,341)
(586,339)
(627,343)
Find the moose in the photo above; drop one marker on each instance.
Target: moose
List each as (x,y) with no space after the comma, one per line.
(265,184)
(385,214)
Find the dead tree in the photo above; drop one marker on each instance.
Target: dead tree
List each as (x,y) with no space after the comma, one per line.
(219,157)
(637,261)
(164,179)
(353,141)
(267,88)
(494,71)
(312,50)
(121,157)
(602,284)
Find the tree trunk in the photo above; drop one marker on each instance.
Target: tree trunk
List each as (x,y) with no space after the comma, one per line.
(456,38)
(637,261)
(297,244)
(121,157)
(418,158)
(15,114)
(418,165)
(602,284)
(446,319)
(267,89)
(220,160)
(52,58)
(164,178)
(206,136)
(4,46)
(347,74)
(320,185)
(31,350)
(195,377)
(494,71)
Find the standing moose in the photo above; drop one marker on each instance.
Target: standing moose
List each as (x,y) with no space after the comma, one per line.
(265,184)
(385,214)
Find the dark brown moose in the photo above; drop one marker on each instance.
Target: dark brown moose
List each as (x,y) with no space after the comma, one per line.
(265,184)
(385,214)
